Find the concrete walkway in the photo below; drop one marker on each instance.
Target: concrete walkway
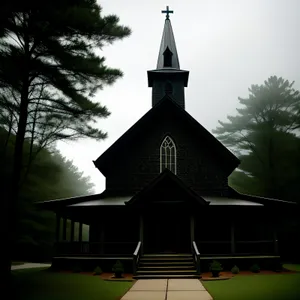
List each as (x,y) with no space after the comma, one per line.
(29,265)
(167,289)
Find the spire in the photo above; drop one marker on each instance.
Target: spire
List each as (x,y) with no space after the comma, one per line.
(167,57)
(168,78)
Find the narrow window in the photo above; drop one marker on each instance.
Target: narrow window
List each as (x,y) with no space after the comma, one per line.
(168,155)
(168,57)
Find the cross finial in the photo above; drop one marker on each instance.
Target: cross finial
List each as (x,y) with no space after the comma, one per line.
(167,12)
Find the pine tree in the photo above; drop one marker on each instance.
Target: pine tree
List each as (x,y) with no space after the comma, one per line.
(265,136)
(52,45)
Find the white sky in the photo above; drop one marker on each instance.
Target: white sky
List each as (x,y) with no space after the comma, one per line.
(226,46)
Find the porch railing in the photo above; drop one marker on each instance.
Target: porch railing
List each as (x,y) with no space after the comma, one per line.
(65,248)
(196,255)
(241,248)
(136,257)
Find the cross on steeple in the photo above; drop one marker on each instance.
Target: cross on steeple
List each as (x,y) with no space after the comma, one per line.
(167,12)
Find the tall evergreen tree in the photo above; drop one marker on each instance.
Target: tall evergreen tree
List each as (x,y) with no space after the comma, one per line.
(51,176)
(52,44)
(264,134)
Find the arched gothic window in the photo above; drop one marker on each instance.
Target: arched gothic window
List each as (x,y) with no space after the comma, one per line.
(168,155)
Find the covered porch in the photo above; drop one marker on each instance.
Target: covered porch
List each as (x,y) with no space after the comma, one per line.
(166,217)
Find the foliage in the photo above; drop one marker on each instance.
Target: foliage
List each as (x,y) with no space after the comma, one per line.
(51,176)
(50,70)
(265,136)
(255,268)
(118,268)
(215,266)
(235,270)
(97,271)
(49,64)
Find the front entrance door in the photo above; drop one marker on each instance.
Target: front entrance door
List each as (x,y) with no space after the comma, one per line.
(167,232)
(166,229)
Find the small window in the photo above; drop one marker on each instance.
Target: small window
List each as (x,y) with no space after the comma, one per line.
(168,58)
(168,155)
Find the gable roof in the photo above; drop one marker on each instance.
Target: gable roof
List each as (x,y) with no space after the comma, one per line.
(166,175)
(165,105)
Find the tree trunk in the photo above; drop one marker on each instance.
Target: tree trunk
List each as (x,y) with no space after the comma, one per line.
(11,199)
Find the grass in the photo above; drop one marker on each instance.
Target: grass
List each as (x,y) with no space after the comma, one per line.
(41,284)
(256,287)
(292,267)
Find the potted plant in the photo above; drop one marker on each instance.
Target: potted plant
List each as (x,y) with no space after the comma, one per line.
(235,270)
(215,268)
(97,271)
(118,269)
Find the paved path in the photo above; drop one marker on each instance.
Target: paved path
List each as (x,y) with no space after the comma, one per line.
(29,265)
(167,289)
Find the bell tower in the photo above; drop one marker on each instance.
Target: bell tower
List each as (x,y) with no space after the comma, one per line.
(168,78)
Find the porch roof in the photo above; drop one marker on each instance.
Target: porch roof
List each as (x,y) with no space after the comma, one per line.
(121,201)
(109,201)
(229,201)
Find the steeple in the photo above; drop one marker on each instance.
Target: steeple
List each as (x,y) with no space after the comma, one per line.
(168,78)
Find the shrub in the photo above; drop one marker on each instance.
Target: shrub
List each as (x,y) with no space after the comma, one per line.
(118,269)
(255,268)
(235,270)
(215,268)
(97,271)
(76,269)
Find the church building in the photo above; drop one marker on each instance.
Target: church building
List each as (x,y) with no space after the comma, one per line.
(167,209)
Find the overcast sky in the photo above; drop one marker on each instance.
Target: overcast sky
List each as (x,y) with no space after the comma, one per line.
(226,46)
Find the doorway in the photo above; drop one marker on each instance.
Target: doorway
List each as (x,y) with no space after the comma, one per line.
(167,232)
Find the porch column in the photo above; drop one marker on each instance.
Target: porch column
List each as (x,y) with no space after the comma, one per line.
(102,237)
(141,237)
(64,229)
(72,231)
(276,250)
(232,238)
(80,232)
(192,226)
(57,232)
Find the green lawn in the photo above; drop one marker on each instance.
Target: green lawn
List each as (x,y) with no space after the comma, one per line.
(256,287)
(40,284)
(292,267)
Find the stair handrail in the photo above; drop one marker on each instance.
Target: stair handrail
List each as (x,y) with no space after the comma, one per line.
(136,257)
(196,257)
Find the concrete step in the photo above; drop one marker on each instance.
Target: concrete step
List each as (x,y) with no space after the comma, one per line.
(166,264)
(166,267)
(168,255)
(166,259)
(164,276)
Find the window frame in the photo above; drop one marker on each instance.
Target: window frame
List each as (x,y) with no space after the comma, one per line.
(166,161)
